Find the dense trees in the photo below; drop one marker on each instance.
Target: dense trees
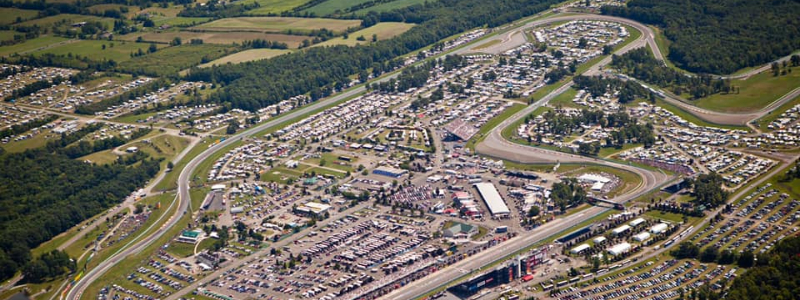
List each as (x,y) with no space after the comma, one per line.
(43,194)
(708,190)
(627,129)
(774,278)
(48,265)
(568,193)
(720,36)
(597,86)
(319,70)
(641,64)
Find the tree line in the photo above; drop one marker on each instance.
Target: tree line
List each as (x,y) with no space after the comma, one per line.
(254,85)
(641,64)
(720,36)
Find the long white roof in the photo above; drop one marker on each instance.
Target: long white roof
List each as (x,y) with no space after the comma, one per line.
(492,198)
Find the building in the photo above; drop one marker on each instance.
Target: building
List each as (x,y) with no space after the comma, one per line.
(497,207)
(579,249)
(637,222)
(597,181)
(460,231)
(642,236)
(659,228)
(313,208)
(620,230)
(389,172)
(189,237)
(237,210)
(132,150)
(599,240)
(619,249)
(218,187)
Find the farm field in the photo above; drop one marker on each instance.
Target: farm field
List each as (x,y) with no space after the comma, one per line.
(120,51)
(333,6)
(217,37)
(100,8)
(174,59)
(385,30)
(278,24)
(245,56)
(31,45)
(65,21)
(274,6)
(389,6)
(9,15)
(7,35)
(756,92)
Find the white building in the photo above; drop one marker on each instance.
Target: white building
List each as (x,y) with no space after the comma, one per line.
(637,222)
(642,236)
(495,203)
(619,249)
(659,228)
(621,229)
(579,249)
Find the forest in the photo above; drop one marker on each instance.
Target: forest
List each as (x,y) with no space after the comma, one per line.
(254,85)
(597,86)
(720,36)
(627,129)
(43,194)
(774,277)
(708,190)
(641,64)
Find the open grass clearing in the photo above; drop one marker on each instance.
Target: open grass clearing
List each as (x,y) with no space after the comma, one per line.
(665,216)
(389,6)
(755,93)
(333,7)
(8,35)
(211,37)
(171,60)
(31,45)
(94,49)
(65,21)
(565,99)
(692,118)
(278,24)
(382,31)
(245,56)
(274,6)
(9,15)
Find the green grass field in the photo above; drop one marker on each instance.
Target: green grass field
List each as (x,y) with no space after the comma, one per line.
(278,24)
(274,6)
(565,99)
(757,92)
(65,21)
(120,51)
(174,59)
(31,45)
(383,31)
(216,37)
(389,6)
(8,35)
(245,56)
(10,15)
(691,118)
(333,6)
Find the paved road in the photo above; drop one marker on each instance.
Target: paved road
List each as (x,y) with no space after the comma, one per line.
(495,146)
(721,117)
(510,42)
(183,199)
